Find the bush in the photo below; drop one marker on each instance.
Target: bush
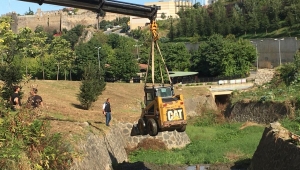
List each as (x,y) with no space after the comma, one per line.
(91,87)
(26,142)
(11,75)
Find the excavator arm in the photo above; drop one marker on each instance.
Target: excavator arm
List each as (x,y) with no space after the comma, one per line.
(119,7)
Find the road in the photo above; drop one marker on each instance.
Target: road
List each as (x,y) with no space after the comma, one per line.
(232,87)
(115,32)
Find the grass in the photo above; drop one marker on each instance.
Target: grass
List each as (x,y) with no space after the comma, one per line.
(268,93)
(292,124)
(60,101)
(210,144)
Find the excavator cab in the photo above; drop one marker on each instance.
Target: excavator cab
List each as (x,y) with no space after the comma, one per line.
(163,111)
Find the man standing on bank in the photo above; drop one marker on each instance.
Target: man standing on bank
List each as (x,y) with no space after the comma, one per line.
(107,111)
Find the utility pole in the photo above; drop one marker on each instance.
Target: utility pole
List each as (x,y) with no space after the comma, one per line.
(279,50)
(98,57)
(256,53)
(137,46)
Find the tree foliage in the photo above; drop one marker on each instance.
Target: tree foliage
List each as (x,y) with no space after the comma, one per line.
(29,12)
(124,67)
(290,72)
(11,75)
(238,18)
(176,56)
(73,35)
(91,86)
(220,56)
(61,51)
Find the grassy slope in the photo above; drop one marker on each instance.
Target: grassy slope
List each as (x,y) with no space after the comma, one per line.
(61,102)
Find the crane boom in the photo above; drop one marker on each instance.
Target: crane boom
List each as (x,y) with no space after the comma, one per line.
(113,6)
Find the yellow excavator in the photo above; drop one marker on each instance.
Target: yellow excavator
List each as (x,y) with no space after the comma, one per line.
(163,109)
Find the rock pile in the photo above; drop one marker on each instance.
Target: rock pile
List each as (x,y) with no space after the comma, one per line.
(276,150)
(264,76)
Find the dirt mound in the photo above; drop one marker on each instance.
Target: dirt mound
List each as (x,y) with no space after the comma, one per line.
(151,144)
(148,144)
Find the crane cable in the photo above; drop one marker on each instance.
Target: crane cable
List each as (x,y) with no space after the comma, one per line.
(153,29)
(162,58)
(152,65)
(147,70)
(161,75)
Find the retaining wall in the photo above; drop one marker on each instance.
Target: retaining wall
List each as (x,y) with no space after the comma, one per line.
(172,139)
(259,112)
(101,152)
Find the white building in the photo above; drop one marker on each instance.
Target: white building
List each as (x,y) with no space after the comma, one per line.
(207,2)
(169,8)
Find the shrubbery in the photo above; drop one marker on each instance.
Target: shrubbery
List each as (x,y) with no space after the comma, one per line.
(91,87)
(26,143)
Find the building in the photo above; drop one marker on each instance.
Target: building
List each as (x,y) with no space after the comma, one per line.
(207,2)
(168,8)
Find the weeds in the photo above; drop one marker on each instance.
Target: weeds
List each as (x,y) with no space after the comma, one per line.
(211,142)
(21,133)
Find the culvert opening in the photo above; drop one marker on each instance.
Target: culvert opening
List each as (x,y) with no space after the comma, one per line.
(222,101)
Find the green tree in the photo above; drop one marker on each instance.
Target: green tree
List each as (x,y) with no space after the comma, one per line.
(91,86)
(25,43)
(223,57)
(60,49)
(11,75)
(124,66)
(197,5)
(8,43)
(163,16)
(171,33)
(29,12)
(176,55)
(87,52)
(73,35)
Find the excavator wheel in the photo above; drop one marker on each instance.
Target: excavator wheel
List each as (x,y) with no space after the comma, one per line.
(181,129)
(152,127)
(142,126)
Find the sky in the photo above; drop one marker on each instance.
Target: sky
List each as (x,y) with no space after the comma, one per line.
(21,7)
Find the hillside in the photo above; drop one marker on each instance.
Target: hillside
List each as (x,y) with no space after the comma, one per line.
(61,103)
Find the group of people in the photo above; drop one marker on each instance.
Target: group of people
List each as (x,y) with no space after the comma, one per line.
(33,101)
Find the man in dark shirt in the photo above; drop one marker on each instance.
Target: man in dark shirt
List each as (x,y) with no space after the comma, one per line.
(35,100)
(107,111)
(15,98)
